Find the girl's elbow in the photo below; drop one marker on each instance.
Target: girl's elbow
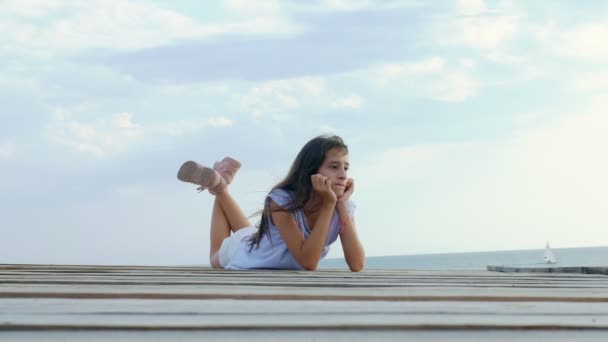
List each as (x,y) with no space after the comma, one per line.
(358,267)
(309,261)
(310,267)
(356,264)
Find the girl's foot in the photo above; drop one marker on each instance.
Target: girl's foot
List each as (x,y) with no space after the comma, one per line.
(227,168)
(207,178)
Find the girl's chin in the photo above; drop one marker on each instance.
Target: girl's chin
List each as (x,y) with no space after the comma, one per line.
(339,192)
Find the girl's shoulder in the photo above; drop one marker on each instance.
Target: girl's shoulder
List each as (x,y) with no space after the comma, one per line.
(281,197)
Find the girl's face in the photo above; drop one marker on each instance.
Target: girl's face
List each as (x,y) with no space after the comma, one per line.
(335,168)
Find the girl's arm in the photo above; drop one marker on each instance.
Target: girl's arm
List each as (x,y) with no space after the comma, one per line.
(307,252)
(354,254)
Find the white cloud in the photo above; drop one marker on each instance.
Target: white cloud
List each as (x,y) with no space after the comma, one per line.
(328,129)
(99,138)
(133,191)
(544,183)
(176,128)
(357,5)
(30,8)
(345,5)
(262,25)
(260,6)
(500,57)
(527,118)
(115,24)
(400,165)
(467,63)
(394,71)
(454,86)
(430,78)
(586,41)
(220,121)
(482,27)
(413,181)
(123,120)
(591,81)
(544,32)
(60,114)
(281,96)
(484,32)
(104,137)
(349,102)
(281,100)
(7,150)
(561,166)
(472,7)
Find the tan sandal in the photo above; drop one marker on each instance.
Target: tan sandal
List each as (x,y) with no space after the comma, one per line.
(227,168)
(206,177)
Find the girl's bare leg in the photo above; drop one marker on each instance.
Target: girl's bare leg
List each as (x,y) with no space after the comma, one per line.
(234,213)
(226,217)
(220,229)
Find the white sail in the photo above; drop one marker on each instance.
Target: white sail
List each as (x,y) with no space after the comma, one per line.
(549,257)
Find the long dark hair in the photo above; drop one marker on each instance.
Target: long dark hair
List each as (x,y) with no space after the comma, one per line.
(297,181)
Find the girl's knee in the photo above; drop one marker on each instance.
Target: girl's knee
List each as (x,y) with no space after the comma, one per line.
(214,260)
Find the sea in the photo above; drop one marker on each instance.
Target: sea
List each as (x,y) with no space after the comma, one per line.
(566,257)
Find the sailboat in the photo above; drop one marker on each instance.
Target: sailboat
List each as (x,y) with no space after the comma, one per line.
(549,257)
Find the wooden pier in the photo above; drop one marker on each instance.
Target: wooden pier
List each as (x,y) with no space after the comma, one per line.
(131,303)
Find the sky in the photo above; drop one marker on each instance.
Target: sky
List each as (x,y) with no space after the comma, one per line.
(472,125)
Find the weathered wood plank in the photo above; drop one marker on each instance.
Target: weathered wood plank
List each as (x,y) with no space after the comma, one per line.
(184,298)
(572,269)
(297,335)
(309,275)
(313,321)
(301,283)
(229,314)
(41,306)
(208,270)
(303,293)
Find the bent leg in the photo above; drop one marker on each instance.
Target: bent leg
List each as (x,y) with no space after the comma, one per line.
(220,229)
(232,211)
(227,217)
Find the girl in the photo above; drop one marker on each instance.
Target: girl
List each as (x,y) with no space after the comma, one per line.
(302,215)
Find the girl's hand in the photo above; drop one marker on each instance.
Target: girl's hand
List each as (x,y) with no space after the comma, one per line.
(322,186)
(350,188)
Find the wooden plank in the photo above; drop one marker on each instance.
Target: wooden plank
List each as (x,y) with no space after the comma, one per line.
(333,281)
(314,321)
(41,306)
(293,320)
(303,293)
(295,335)
(300,283)
(148,298)
(307,275)
(362,276)
(320,275)
(229,314)
(570,269)
(208,270)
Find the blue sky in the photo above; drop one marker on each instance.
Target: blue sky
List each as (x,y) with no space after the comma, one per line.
(473,125)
